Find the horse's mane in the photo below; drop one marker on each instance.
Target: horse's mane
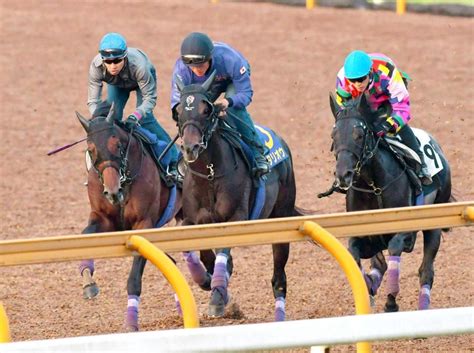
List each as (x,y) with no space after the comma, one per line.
(102,110)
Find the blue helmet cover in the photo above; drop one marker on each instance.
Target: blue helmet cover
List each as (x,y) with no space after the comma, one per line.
(357,64)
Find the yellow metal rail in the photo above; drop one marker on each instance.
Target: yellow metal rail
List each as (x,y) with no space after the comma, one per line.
(268,231)
(350,268)
(172,274)
(4,327)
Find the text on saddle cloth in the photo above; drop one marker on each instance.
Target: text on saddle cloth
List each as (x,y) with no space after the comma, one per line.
(432,158)
(276,153)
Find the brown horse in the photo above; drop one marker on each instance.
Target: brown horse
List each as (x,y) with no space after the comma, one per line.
(218,187)
(125,192)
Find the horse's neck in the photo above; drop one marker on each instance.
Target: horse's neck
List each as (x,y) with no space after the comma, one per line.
(381,168)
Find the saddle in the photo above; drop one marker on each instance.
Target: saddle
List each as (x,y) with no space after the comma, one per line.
(156,148)
(408,158)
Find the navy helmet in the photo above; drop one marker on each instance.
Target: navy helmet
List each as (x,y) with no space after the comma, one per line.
(113,46)
(196,49)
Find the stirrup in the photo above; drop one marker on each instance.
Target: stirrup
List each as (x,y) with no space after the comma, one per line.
(425,176)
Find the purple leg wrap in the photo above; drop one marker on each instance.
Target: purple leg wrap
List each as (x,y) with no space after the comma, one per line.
(178,305)
(393,275)
(131,320)
(280,309)
(197,270)
(376,278)
(424,299)
(87,264)
(219,278)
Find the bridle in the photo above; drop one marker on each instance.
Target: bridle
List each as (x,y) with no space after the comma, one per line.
(364,156)
(119,163)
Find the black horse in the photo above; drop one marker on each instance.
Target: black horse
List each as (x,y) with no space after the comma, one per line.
(373,177)
(218,187)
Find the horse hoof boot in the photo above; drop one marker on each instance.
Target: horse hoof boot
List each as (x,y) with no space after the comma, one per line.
(391,308)
(218,303)
(131,328)
(90,291)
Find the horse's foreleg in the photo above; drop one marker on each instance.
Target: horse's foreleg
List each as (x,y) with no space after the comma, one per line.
(395,248)
(280,258)
(431,242)
(220,280)
(86,268)
(134,290)
(198,272)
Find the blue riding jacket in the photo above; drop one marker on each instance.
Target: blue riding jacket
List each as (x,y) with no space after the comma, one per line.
(231,68)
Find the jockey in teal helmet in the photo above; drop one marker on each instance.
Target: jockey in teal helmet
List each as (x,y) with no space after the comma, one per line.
(377,77)
(125,70)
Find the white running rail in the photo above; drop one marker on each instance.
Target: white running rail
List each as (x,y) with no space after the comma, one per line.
(266,336)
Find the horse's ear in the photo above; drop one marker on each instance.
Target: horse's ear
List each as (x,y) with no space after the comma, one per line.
(84,122)
(110,116)
(333,104)
(179,83)
(206,85)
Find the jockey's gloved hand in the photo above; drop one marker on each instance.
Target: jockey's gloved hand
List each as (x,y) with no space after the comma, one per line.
(133,119)
(221,105)
(387,126)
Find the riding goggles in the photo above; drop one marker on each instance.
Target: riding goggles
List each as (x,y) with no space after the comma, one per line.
(113,61)
(193,59)
(113,54)
(358,79)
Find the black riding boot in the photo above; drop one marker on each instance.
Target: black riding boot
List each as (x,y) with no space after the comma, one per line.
(409,139)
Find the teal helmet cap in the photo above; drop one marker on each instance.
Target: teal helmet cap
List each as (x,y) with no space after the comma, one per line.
(196,48)
(357,64)
(113,46)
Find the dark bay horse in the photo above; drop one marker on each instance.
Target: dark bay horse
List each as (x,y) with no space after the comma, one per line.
(125,192)
(372,177)
(218,187)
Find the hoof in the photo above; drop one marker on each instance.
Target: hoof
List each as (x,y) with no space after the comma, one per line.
(218,302)
(207,283)
(90,291)
(131,328)
(372,301)
(391,308)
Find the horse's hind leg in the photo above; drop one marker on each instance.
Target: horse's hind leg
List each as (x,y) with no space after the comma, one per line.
(280,258)
(431,242)
(373,279)
(220,280)
(134,290)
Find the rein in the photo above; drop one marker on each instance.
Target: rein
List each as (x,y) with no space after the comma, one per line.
(363,160)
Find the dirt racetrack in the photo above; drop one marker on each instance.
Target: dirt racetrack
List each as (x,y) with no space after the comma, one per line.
(46,48)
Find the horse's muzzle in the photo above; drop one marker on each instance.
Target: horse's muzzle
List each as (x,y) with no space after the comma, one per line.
(191,152)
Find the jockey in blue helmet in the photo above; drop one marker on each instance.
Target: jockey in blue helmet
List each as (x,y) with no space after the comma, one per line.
(377,77)
(125,70)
